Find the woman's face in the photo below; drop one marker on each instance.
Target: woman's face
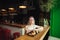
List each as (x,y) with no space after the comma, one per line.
(31,20)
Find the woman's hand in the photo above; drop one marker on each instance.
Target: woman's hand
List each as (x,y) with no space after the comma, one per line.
(41,29)
(27,31)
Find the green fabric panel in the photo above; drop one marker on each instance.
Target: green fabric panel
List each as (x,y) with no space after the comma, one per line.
(55,21)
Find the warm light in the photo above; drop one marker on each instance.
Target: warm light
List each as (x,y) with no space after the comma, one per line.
(11,8)
(3,10)
(22,6)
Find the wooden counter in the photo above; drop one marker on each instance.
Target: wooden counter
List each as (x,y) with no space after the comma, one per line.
(39,36)
(15,25)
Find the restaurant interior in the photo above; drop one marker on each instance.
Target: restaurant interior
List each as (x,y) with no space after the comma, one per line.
(14,16)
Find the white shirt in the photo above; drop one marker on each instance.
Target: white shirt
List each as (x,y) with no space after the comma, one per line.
(29,28)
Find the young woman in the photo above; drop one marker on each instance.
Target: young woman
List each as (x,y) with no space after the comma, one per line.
(31,25)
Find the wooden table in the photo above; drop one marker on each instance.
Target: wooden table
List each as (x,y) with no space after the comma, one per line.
(39,36)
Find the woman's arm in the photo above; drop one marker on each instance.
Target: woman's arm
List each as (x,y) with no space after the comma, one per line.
(39,28)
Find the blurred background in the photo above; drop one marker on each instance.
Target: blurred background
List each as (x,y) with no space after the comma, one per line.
(18,11)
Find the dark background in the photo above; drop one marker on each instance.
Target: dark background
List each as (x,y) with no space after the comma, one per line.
(22,16)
